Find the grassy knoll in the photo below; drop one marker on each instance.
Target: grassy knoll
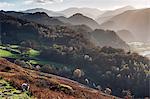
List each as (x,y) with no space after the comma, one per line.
(5,53)
(32,53)
(29,54)
(42,62)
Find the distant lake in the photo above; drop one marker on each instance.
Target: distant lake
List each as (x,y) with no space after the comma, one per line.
(141,48)
(144,53)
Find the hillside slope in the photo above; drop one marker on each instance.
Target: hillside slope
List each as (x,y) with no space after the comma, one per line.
(135,21)
(109,14)
(107,67)
(49,12)
(108,38)
(16,30)
(45,86)
(126,35)
(37,17)
(80,19)
(89,12)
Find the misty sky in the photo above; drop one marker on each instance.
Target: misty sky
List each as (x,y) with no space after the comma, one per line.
(63,4)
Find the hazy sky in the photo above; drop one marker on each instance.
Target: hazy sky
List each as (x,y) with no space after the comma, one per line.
(63,4)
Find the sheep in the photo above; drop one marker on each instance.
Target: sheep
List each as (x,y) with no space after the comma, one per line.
(37,67)
(25,87)
(87,81)
(98,87)
(108,91)
(77,73)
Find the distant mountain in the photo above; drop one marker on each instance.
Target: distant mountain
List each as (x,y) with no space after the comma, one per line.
(126,35)
(38,17)
(48,12)
(68,46)
(63,19)
(89,12)
(108,38)
(42,18)
(81,28)
(37,33)
(18,31)
(117,11)
(81,24)
(135,21)
(109,14)
(80,19)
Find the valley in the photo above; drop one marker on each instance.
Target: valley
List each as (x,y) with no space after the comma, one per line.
(141,48)
(75,53)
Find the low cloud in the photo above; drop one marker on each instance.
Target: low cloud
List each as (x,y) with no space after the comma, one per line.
(41,1)
(6,5)
(46,1)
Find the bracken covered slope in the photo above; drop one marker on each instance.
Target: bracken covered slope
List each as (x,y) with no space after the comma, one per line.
(46,86)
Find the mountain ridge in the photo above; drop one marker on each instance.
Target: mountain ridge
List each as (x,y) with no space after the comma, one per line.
(37,17)
(49,12)
(104,66)
(109,14)
(89,12)
(129,21)
(81,29)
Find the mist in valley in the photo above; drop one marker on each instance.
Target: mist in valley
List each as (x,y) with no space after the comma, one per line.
(79,49)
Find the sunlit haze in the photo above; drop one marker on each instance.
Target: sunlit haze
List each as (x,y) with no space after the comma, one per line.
(63,4)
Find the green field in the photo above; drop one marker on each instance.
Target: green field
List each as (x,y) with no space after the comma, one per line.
(5,53)
(13,51)
(42,62)
(32,55)
(14,46)
(9,92)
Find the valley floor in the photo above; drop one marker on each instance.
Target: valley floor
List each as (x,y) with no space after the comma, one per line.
(141,48)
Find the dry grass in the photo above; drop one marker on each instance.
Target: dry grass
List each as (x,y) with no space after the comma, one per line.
(47,87)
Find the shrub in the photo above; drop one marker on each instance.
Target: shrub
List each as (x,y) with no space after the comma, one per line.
(48,69)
